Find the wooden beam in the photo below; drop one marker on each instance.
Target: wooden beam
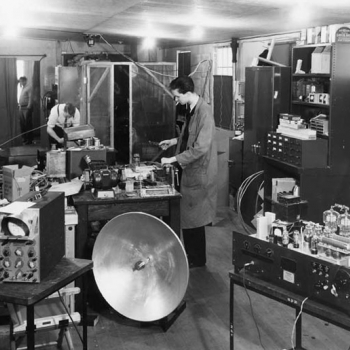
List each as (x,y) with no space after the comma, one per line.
(99,83)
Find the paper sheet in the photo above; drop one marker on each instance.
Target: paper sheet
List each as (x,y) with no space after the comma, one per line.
(69,188)
(16,207)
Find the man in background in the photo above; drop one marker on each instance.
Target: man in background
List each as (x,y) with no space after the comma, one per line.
(61,116)
(25,105)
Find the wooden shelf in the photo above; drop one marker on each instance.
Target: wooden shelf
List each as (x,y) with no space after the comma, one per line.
(310,104)
(311,75)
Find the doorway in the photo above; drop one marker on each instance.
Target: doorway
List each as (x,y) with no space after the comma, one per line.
(31,70)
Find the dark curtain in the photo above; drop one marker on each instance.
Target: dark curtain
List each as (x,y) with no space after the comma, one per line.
(36,99)
(8,103)
(223,101)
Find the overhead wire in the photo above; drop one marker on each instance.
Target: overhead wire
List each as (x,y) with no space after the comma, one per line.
(23,133)
(140,66)
(153,72)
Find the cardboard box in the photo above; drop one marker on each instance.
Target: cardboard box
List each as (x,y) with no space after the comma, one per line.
(326,60)
(16,181)
(321,60)
(284,184)
(56,163)
(316,59)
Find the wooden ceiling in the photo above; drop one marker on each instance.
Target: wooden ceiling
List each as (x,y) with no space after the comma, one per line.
(170,22)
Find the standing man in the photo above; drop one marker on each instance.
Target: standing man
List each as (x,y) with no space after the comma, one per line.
(25,105)
(196,154)
(61,116)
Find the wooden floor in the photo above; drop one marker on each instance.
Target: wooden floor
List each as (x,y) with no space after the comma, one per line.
(204,324)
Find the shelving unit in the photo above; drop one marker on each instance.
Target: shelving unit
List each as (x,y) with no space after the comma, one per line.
(308,82)
(320,186)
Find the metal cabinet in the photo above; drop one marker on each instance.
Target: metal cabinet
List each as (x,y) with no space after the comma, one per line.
(267,94)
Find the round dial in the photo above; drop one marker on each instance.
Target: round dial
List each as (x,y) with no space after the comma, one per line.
(16,230)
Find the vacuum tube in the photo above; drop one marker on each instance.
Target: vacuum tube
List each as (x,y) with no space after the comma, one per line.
(308,232)
(296,239)
(344,223)
(330,219)
(313,246)
(285,238)
(318,232)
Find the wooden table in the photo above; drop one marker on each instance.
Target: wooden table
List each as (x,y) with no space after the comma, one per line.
(91,209)
(28,294)
(286,297)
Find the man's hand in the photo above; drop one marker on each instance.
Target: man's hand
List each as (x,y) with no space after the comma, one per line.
(168,160)
(167,143)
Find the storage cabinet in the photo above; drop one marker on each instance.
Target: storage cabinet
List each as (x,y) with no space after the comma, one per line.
(235,164)
(267,94)
(326,183)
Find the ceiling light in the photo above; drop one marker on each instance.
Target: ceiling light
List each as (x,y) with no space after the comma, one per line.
(10,32)
(197,32)
(149,42)
(301,13)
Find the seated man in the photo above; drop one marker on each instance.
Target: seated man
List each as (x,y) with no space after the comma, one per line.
(61,116)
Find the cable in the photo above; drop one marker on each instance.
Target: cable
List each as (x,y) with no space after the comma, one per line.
(152,72)
(251,304)
(296,320)
(240,194)
(139,65)
(197,66)
(39,127)
(257,197)
(38,181)
(70,316)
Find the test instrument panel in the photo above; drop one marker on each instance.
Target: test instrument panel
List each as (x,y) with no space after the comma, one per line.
(32,240)
(318,277)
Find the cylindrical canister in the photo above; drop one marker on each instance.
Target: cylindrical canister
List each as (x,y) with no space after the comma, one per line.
(97,142)
(88,142)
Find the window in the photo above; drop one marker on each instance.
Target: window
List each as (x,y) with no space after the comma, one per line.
(223,60)
(223,89)
(20,73)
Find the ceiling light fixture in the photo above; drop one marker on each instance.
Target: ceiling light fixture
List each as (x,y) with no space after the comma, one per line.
(149,42)
(301,13)
(197,32)
(91,39)
(10,32)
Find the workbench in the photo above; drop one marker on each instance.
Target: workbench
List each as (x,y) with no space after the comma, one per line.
(295,301)
(29,294)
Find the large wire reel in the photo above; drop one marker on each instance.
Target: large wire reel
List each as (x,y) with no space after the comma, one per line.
(140,266)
